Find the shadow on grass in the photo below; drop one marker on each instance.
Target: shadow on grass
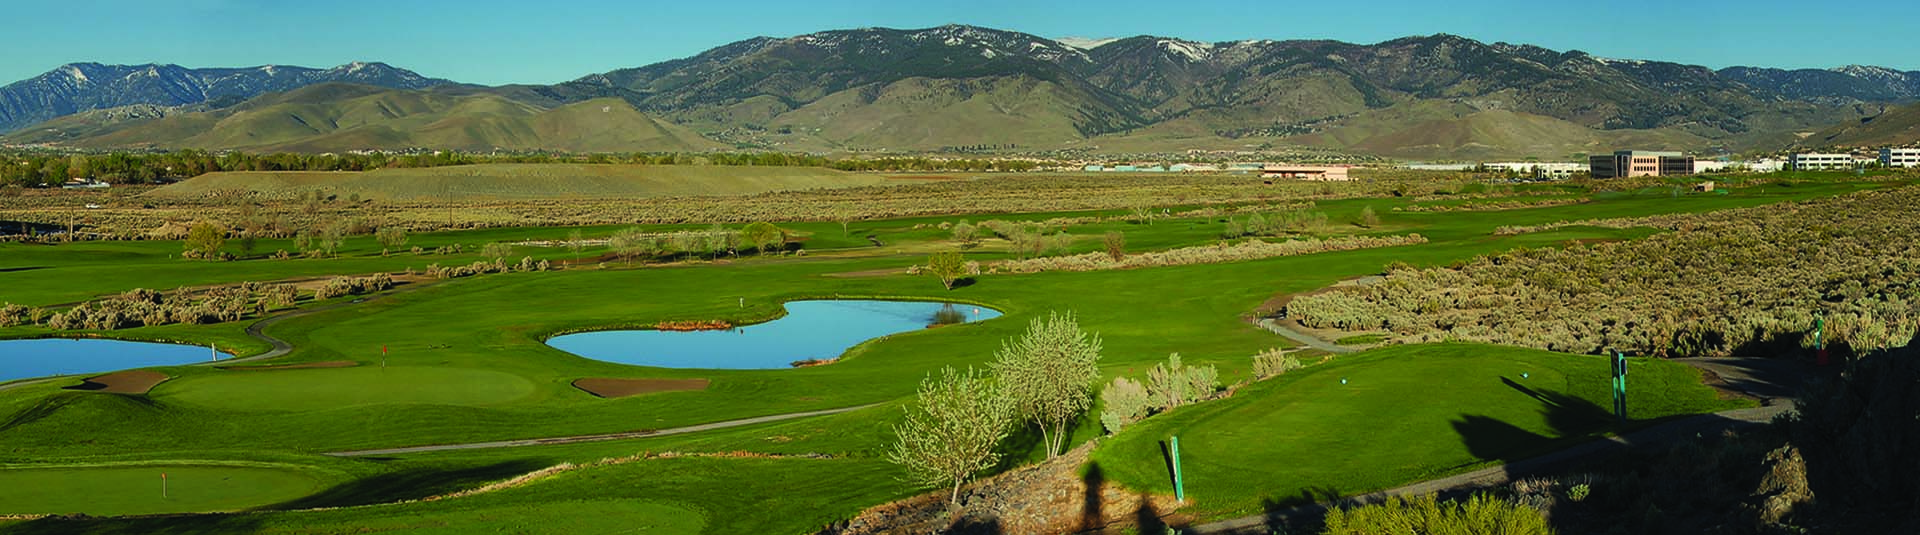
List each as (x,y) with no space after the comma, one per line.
(409,484)
(154,525)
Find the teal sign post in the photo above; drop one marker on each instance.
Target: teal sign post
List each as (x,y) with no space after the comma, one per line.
(1620,387)
(1179,485)
(1819,340)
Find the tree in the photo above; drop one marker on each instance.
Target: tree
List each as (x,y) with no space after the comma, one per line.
(303,240)
(1142,214)
(205,240)
(717,238)
(948,266)
(967,235)
(1116,245)
(763,236)
(575,243)
(627,243)
(951,434)
(1368,218)
(332,236)
(1049,375)
(390,238)
(498,251)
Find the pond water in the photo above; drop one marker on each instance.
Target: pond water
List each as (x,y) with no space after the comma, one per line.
(22,359)
(810,330)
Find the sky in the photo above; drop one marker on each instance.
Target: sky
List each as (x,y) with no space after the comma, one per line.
(516,41)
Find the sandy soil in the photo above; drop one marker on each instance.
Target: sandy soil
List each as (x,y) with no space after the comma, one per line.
(620,388)
(127,382)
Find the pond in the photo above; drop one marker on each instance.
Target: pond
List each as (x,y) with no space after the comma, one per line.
(811,330)
(22,359)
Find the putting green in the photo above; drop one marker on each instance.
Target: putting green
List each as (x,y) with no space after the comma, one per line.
(1403,413)
(316,389)
(137,490)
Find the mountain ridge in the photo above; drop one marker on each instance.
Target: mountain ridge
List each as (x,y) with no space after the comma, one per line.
(956,85)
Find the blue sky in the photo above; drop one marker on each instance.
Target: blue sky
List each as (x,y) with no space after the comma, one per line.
(501,41)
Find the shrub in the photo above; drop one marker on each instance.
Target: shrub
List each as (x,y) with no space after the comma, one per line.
(1116,243)
(1273,362)
(1171,384)
(1480,514)
(1122,403)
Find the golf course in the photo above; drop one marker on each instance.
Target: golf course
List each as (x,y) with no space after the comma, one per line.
(459,371)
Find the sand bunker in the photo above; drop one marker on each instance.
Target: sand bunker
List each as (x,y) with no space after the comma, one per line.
(127,382)
(620,388)
(300,366)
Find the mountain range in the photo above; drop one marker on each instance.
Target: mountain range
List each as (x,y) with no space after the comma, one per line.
(965,87)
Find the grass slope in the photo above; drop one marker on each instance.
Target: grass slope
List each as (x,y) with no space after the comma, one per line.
(1427,411)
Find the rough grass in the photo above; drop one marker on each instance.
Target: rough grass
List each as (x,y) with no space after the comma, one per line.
(520,182)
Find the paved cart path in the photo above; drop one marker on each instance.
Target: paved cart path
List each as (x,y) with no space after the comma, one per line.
(599,438)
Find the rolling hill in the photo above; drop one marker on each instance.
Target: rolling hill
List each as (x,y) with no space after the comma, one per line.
(1897,126)
(82,87)
(334,116)
(1438,96)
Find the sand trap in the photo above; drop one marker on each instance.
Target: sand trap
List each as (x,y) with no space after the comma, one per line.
(300,366)
(620,388)
(127,382)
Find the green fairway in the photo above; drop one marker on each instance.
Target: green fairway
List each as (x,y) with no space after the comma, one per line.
(316,389)
(467,363)
(1403,414)
(137,490)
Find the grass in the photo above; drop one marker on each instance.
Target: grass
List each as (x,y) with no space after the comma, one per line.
(136,490)
(467,364)
(1429,411)
(521,182)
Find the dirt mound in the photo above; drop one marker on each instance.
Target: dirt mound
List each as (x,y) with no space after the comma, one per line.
(127,382)
(620,388)
(300,366)
(1056,496)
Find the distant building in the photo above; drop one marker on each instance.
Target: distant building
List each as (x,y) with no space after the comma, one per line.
(1304,172)
(1193,168)
(1440,166)
(1540,169)
(1096,168)
(1633,163)
(1820,162)
(1900,157)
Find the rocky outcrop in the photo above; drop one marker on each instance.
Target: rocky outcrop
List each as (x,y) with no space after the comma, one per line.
(1062,495)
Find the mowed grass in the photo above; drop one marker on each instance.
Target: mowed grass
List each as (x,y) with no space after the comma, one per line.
(522,182)
(136,490)
(335,388)
(1403,414)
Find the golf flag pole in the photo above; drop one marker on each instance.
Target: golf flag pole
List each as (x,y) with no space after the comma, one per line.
(1179,483)
(383,356)
(163,485)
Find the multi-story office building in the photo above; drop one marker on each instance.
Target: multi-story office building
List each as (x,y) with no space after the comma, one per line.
(1900,157)
(1820,162)
(1632,163)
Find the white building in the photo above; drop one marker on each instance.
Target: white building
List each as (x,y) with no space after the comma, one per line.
(1818,162)
(1540,169)
(1900,157)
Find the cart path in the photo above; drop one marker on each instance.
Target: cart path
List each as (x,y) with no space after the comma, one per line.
(600,438)
(1290,329)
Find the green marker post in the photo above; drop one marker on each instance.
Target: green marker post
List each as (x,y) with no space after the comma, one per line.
(1179,485)
(1620,387)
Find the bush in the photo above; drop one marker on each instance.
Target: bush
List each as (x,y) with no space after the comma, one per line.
(1124,402)
(1479,515)
(1171,384)
(1273,362)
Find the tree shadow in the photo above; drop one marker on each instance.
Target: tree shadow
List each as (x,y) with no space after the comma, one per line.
(155,525)
(1091,515)
(409,484)
(976,526)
